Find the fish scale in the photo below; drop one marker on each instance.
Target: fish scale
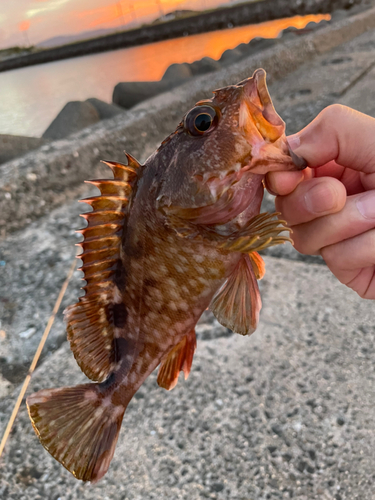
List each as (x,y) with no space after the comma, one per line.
(165,241)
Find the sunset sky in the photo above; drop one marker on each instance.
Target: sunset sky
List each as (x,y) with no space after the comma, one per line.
(24,22)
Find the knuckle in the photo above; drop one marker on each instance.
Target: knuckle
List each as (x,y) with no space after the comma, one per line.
(368,157)
(333,112)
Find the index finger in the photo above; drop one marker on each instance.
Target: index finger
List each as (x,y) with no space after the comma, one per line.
(341,134)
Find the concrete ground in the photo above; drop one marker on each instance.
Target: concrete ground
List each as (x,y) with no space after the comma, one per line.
(286,413)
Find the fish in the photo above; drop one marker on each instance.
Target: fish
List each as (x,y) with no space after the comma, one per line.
(165,241)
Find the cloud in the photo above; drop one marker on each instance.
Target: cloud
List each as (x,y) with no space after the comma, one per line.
(51,6)
(110,13)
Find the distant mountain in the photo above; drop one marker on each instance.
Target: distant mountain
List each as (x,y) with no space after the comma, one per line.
(56,41)
(232,3)
(85,35)
(176,14)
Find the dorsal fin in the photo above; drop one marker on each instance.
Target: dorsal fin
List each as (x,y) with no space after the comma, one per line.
(92,320)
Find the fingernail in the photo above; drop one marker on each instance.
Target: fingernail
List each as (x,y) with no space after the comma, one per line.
(294,141)
(320,198)
(366,205)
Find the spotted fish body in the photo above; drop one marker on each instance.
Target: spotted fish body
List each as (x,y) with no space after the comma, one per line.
(165,241)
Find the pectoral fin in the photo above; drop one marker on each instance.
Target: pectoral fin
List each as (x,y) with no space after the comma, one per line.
(261,232)
(238,303)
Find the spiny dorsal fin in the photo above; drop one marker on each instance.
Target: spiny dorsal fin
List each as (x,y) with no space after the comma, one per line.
(92,320)
(124,172)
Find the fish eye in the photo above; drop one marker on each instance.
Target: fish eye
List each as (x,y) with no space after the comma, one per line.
(201,120)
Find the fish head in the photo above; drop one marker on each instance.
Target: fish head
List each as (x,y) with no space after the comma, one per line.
(226,143)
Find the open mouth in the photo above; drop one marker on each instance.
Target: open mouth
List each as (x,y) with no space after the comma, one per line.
(257,115)
(264,129)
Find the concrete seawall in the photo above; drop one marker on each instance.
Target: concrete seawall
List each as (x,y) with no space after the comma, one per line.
(238,15)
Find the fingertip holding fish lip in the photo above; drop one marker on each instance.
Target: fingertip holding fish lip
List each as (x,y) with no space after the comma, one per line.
(298,161)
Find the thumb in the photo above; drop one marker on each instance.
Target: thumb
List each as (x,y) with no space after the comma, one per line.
(341,134)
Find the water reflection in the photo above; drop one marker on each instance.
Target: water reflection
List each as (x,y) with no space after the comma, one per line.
(31,97)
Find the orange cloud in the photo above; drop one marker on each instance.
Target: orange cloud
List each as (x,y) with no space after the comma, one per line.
(123,11)
(24,25)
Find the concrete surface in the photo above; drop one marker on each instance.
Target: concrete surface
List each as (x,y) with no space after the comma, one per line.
(74,116)
(13,146)
(104,109)
(286,413)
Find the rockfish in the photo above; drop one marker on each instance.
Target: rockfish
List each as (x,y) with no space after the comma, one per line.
(164,241)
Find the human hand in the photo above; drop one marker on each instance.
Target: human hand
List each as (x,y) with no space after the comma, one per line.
(331,205)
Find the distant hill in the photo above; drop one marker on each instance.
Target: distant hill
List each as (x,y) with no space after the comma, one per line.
(56,41)
(176,14)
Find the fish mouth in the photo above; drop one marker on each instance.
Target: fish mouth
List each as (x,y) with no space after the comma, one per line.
(264,129)
(257,113)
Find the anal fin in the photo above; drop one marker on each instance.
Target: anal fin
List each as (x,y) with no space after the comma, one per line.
(179,358)
(238,303)
(259,267)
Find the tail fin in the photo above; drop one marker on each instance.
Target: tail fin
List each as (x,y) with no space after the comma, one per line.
(78,427)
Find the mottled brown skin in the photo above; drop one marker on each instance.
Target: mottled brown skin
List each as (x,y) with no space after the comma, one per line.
(171,280)
(195,194)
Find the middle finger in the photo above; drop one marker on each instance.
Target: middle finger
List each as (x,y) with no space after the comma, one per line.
(311,199)
(356,217)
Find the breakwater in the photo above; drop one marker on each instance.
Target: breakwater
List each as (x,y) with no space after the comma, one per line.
(238,15)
